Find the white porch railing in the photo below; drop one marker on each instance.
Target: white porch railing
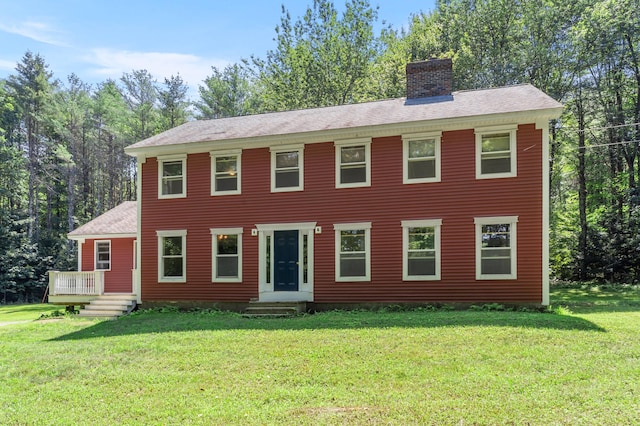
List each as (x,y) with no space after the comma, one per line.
(88,283)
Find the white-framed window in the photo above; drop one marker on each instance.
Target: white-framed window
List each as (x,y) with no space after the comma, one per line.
(496,152)
(353,163)
(227,254)
(287,168)
(421,157)
(172,256)
(421,249)
(102,250)
(353,251)
(226,172)
(172,176)
(496,248)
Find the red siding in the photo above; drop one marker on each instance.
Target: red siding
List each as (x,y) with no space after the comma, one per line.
(457,199)
(118,279)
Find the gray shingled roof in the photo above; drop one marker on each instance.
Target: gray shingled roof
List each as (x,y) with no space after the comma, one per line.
(463,104)
(122,219)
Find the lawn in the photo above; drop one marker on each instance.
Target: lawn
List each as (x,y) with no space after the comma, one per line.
(407,367)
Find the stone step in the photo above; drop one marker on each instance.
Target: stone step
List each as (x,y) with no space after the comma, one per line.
(102,302)
(117,296)
(247,315)
(274,309)
(96,313)
(109,306)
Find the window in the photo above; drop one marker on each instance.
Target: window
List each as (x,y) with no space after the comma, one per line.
(496,152)
(103,255)
(421,158)
(172,256)
(421,249)
(353,163)
(353,253)
(496,247)
(225,173)
(172,176)
(287,165)
(227,254)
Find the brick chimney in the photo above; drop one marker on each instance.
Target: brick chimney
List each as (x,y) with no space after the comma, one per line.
(429,78)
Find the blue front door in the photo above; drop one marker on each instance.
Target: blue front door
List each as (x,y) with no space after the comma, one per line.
(285,261)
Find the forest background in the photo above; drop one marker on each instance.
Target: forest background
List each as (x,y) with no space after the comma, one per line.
(62,140)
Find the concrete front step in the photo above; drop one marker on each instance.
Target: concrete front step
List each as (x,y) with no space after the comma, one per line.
(274,309)
(109,306)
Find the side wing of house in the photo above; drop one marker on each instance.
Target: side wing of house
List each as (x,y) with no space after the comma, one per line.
(107,248)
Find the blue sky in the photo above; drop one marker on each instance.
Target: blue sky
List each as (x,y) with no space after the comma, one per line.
(100,39)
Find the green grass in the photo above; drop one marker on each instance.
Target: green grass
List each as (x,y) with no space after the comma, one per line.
(408,367)
(12,313)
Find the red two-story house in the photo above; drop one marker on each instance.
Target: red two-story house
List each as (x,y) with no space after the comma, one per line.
(437,197)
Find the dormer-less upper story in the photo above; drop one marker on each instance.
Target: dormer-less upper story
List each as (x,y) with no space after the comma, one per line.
(419,120)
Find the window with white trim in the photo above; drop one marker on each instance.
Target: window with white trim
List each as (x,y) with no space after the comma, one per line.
(353,251)
(172,176)
(287,168)
(421,162)
(172,256)
(496,152)
(421,249)
(103,255)
(225,172)
(227,254)
(353,163)
(496,247)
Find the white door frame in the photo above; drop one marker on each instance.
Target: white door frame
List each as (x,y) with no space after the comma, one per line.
(266,249)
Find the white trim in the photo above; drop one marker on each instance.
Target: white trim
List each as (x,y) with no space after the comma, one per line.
(406,140)
(545,214)
(137,283)
(174,233)
(302,226)
(265,283)
(172,158)
(513,246)
(366,226)
(275,150)
(228,153)
(102,236)
(366,142)
(214,253)
(95,255)
(432,223)
(513,144)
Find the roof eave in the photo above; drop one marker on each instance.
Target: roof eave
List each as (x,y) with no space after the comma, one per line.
(378,130)
(105,236)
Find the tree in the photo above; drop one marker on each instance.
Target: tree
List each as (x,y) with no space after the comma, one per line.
(228,93)
(32,92)
(322,59)
(140,93)
(173,102)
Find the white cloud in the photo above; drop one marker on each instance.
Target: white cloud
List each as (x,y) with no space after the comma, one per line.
(38,31)
(111,63)
(7,65)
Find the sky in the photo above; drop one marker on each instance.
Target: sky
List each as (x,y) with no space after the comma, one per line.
(101,39)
